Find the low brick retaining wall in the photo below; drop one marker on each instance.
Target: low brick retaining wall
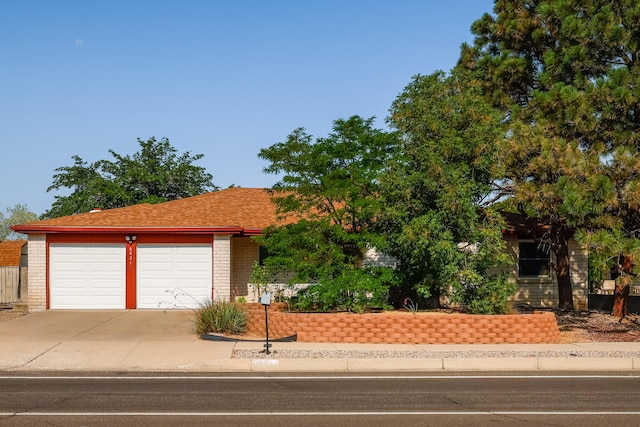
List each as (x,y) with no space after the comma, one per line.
(406,327)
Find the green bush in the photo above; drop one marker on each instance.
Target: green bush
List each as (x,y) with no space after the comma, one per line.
(355,291)
(484,295)
(222,317)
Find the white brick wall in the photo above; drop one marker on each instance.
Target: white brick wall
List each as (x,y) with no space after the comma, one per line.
(373,258)
(222,267)
(37,259)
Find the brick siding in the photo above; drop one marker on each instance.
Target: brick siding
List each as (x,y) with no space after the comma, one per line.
(221,267)
(406,328)
(37,276)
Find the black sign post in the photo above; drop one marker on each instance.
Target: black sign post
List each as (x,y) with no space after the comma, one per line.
(265,300)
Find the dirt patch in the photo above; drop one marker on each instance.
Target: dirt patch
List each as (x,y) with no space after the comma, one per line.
(582,326)
(7,314)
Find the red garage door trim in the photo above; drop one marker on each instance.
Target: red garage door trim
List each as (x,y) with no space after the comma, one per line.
(130,252)
(121,237)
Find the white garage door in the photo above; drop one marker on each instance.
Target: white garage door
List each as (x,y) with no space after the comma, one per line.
(86,276)
(171,276)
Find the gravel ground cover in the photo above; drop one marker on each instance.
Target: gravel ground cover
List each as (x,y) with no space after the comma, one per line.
(419,354)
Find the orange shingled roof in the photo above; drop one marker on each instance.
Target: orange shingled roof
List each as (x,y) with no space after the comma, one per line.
(10,251)
(246,208)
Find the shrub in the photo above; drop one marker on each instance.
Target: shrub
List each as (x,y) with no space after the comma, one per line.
(223,317)
(355,290)
(484,295)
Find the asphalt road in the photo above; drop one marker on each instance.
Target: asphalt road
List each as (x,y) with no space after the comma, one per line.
(268,400)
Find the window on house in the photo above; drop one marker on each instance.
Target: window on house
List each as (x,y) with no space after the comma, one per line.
(263,253)
(533,260)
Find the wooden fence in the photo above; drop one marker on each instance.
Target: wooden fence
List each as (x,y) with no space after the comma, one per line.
(10,283)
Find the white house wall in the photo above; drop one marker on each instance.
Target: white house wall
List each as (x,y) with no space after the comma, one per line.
(374,258)
(37,254)
(245,253)
(579,275)
(542,292)
(222,274)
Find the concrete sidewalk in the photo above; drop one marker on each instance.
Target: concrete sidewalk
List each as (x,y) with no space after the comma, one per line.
(165,341)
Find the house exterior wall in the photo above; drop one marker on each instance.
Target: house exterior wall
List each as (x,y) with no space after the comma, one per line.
(233,258)
(579,275)
(222,274)
(37,276)
(374,258)
(244,253)
(542,292)
(36,297)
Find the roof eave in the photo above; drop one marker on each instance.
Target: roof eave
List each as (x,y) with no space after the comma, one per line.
(91,229)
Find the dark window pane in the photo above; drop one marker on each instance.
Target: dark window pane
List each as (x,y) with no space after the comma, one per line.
(534,268)
(262,254)
(533,261)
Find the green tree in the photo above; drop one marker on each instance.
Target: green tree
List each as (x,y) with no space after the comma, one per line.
(439,193)
(19,214)
(331,186)
(154,174)
(566,72)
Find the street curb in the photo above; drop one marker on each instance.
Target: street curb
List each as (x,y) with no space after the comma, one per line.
(586,364)
(530,364)
(394,365)
(491,364)
(488,364)
(299,365)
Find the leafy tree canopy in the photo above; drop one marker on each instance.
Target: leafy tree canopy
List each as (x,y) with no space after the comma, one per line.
(332,184)
(566,73)
(19,214)
(156,173)
(439,191)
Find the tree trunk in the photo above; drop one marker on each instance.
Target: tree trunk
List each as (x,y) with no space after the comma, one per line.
(623,282)
(620,298)
(560,246)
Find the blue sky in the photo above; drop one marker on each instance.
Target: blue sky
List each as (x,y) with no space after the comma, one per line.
(219,78)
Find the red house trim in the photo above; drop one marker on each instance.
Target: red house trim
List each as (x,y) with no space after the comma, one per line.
(131,272)
(50,230)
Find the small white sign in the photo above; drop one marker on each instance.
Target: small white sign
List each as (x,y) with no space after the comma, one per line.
(265,299)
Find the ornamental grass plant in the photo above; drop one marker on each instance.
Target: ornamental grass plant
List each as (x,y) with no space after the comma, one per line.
(221,317)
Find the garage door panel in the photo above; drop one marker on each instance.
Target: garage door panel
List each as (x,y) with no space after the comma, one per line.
(156,269)
(192,268)
(106,267)
(86,276)
(173,276)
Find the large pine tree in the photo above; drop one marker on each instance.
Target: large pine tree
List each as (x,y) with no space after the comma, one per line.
(568,75)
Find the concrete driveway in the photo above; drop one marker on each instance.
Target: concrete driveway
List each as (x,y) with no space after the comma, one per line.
(107,340)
